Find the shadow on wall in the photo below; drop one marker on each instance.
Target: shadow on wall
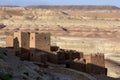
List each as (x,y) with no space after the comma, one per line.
(68,58)
(42,57)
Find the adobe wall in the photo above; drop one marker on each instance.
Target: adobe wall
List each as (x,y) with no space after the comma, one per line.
(25,40)
(39,57)
(32,40)
(9,41)
(40,41)
(87,58)
(97,59)
(21,44)
(62,56)
(53,58)
(43,41)
(95,64)
(77,65)
(94,69)
(17,41)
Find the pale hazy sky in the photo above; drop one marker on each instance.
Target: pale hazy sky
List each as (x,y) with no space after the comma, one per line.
(60,2)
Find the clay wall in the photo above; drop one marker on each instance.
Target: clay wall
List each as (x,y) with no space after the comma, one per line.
(53,58)
(9,41)
(87,58)
(95,63)
(17,41)
(43,41)
(94,69)
(98,59)
(54,48)
(39,57)
(80,65)
(62,56)
(40,41)
(21,44)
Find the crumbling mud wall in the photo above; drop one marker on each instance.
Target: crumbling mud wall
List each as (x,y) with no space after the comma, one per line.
(40,41)
(79,65)
(9,41)
(21,44)
(68,55)
(62,56)
(97,59)
(95,63)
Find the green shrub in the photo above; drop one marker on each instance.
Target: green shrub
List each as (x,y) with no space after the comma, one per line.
(5,76)
(1,57)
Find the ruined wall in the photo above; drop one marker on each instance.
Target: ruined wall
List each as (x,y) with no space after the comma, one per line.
(97,59)
(43,41)
(32,40)
(17,43)
(39,57)
(40,41)
(87,58)
(21,44)
(94,69)
(53,58)
(62,56)
(77,65)
(9,41)
(95,64)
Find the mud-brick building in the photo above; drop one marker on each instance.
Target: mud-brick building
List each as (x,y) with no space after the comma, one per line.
(29,45)
(39,46)
(9,41)
(21,44)
(62,56)
(40,41)
(95,63)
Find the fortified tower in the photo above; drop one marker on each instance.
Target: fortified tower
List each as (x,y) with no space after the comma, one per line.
(40,41)
(39,44)
(95,63)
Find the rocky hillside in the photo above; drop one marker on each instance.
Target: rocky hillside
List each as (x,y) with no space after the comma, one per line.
(78,7)
(12,68)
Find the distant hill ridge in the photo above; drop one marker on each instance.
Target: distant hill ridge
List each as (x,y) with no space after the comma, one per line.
(75,7)
(11,7)
(64,7)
